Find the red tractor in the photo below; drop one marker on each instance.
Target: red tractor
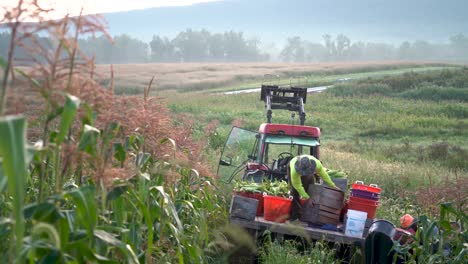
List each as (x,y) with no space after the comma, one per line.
(254,156)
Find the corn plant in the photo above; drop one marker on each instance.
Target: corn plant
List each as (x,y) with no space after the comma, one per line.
(164,222)
(14,162)
(437,241)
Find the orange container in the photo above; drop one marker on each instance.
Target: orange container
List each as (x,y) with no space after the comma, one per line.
(257,196)
(276,208)
(359,185)
(363,207)
(364,201)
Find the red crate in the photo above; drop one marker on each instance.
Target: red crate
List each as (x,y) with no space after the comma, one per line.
(359,185)
(364,200)
(363,207)
(276,208)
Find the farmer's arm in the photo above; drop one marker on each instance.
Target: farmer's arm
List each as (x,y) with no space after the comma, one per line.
(324,175)
(297,184)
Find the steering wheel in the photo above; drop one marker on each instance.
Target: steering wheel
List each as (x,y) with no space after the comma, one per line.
(284,155)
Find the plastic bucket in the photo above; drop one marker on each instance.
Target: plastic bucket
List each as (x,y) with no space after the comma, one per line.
(370,209)
(364,201)
(365,194)
(257,196)
(276,208)
(359,185)
(355,223)
(383,226)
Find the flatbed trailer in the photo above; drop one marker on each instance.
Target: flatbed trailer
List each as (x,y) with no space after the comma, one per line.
(301,230)
(344,245)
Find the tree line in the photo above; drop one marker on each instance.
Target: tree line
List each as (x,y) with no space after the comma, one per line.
(341,48)
(188,46)
(230,46)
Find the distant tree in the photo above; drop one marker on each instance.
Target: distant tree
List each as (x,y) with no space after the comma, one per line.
(405,51)
(314,52)
(459,46)
(128,49)
(216,47)
(123,49)
(337,49)
(294,50)
(379,51)
(192,45)
(357,51)
(330,45)
(342,46)
(198,46)
(162,50)
(235,46)
(422,50)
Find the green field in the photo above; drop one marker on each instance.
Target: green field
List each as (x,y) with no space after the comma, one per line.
(116,165)
(421,139)
(405,131)
(323,77)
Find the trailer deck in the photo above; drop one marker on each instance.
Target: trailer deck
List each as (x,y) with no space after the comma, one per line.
(301,230)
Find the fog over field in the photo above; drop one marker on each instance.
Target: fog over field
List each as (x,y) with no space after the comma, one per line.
(284,31)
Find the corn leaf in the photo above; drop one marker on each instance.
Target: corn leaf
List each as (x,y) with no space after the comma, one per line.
(88,140)
(84,199)
(172,209)
(90,116)
(69,111)
(42,212)
(119,152)
(13,152)
(110,132)
(109,239)
(142,160)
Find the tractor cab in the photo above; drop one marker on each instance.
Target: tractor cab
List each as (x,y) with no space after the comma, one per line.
(265,154)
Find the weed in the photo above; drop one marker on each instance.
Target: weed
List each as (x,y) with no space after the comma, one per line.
(276,252)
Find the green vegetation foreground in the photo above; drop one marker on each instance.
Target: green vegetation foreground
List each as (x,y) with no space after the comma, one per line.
(113,179)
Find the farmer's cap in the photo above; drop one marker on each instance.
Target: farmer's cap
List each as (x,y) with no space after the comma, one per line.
(304,166)
(406,221)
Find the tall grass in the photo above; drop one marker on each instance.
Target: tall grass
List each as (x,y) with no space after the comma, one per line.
(436,93)
(211,77)
(437,86)
(393,177)
(287,252)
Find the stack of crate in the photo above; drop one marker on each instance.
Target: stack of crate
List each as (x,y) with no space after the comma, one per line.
(327,205)
(364,198)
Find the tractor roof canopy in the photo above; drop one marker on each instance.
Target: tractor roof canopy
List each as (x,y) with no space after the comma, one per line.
(288,140)
(289,130)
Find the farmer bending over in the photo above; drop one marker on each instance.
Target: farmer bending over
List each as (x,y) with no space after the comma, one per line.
(301,175)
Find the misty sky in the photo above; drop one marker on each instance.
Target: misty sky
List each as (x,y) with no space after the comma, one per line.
(73,7)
